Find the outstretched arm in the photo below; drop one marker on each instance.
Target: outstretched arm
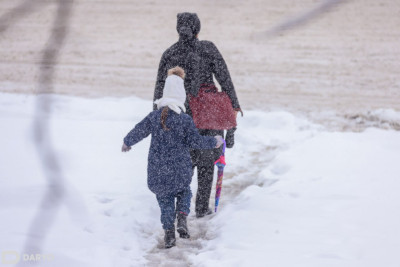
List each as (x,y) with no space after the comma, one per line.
(141,131)
(196,141)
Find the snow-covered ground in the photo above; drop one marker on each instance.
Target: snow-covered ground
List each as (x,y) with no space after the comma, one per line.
(294,193)
(312,180)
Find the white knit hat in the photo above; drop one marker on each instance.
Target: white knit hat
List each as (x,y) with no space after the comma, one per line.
(174,94)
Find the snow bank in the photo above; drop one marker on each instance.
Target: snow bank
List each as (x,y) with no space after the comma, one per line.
(322,199)
(293,194)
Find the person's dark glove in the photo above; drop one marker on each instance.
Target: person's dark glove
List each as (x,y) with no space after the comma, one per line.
(230,137)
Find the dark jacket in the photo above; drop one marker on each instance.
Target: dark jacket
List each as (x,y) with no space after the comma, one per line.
(169,165)
(199,59)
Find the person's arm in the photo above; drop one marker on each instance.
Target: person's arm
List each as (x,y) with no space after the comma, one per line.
(221,72)
(161,76)
(141,131)
(196,141)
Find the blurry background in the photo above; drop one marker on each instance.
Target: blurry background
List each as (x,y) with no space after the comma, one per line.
(347,59)
(343,62)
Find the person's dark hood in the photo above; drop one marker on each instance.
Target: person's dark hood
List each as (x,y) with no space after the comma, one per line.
(188,25)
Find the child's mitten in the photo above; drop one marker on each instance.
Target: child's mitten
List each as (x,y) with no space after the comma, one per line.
(220,141)
(125,148)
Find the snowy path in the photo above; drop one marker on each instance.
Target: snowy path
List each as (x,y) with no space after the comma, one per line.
(199,228)
(293,194)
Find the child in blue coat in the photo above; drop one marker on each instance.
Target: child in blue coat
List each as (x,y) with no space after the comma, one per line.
(169,169)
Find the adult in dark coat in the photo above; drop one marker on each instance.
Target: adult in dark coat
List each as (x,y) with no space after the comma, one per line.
(201,60)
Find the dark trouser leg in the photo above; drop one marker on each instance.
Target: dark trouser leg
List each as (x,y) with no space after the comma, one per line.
(167,206)
(204,161)
(183,201)
(182,209)
(205,178)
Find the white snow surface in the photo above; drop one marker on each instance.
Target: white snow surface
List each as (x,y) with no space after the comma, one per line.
(294,193)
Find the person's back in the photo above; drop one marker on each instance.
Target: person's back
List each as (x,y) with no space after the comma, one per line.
(169,169)
(200,60)
(169,163)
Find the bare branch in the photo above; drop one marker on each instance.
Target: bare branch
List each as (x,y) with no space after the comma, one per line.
(303,18)
(56,192)
(26,7)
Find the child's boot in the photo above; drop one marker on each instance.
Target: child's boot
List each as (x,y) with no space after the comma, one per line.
(182,225)
(169,238)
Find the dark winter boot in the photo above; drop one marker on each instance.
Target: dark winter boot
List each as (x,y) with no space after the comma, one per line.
(182,225)
(202,214)
(169,238)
